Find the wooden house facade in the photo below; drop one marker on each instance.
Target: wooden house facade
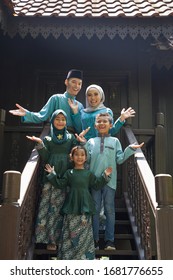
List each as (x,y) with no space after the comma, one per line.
(124,46)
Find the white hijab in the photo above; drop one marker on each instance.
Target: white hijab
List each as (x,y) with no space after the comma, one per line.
(102,99)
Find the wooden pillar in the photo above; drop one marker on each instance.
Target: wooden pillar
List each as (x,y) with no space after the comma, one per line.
(164,216)
(2,125)
(160,145)
(144,113)
(9,216)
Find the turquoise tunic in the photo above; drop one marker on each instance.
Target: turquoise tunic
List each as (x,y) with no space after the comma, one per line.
(106,151)
(56,101)
(88,120)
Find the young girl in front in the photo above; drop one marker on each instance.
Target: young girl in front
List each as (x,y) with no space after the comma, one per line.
(77,236)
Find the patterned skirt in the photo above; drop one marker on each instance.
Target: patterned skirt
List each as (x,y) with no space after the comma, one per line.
(77,241)
(49,220)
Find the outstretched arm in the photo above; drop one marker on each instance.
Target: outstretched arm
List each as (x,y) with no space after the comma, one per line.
(18,112)
(125,114)
(41,146)
(136,146)
(54,180)
(33,138)
(38,117)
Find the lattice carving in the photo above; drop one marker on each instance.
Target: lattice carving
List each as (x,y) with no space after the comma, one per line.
(101,28)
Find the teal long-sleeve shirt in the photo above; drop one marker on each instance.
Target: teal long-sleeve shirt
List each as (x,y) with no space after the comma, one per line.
(56,101)
(106,151)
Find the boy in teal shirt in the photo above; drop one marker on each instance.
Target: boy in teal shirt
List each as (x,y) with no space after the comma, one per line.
(103,151)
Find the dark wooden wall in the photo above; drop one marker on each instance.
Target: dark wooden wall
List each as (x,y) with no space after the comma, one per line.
(28,64)
(33,69)
(162,88)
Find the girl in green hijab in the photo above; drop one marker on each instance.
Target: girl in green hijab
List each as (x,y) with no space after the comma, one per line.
(54,150)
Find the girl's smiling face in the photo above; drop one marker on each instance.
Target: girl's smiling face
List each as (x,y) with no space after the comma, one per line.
(59,121)
(79,158)
(93,97)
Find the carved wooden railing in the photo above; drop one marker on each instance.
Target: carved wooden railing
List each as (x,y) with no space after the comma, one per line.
(149,201)
(17,212)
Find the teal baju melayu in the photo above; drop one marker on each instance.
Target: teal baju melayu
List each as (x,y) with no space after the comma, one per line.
(56,101)
(106,151)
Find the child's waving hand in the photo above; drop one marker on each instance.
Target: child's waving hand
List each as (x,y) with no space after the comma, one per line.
(49,168)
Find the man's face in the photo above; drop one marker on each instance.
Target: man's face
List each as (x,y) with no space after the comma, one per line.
(73,86)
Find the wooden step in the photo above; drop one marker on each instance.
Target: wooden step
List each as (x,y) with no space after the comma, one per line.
(121,226)
(98,252)
(124,240)
(122,222)
(119,236)
(120,209)
(45,252)
(116,252)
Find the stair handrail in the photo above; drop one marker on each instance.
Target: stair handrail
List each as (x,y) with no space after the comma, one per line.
(140,190)
(143,169)
(150,204)
(17,212)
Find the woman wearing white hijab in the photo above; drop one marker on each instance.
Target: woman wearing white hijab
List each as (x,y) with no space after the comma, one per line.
(95,98)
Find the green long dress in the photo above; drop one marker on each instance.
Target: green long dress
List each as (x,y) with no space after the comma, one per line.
(49,220)
(77,236)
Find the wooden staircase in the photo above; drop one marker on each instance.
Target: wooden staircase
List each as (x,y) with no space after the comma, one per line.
(124,240)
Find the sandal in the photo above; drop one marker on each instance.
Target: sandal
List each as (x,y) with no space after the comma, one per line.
(51,247)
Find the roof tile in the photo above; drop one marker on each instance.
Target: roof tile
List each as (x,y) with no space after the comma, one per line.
(90,8)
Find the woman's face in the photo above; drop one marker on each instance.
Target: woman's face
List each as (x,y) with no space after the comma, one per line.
(93,97)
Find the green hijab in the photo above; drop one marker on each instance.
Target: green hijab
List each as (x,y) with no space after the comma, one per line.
(58,135)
